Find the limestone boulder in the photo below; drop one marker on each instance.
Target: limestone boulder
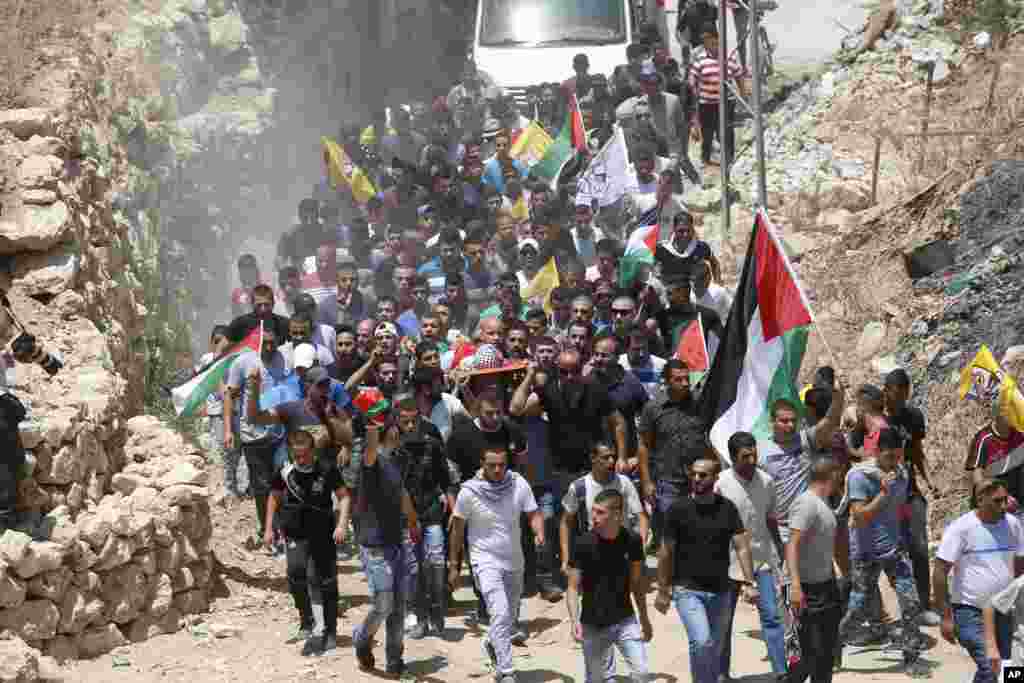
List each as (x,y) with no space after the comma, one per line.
(13,589)
(61,648)
(47,273)
(50,585)
(14,547)
(192,602)
(60,425)
(31,434)
(126,484)
(24,123)
(184,494)
(183,473)
(40,225)
(117,551)
(45,146)
(34,620)
(74,616)
(38,171)
(42,556)
(19,663)
(100,640)
(65,468)
(60,528)
(93,529)
(146,561)
(87,581)
(85,557)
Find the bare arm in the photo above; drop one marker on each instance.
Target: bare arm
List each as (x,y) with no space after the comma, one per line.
(344,510)
(524,401)
(918,460)
(793,560)
(940,585)
(638,587)
(617,426)
(565,527)
(744,555)
(372,445)
(456,538)
(536,520)
(643,456)
(666,554)
(359,375)
(229,416)
(862,514)
(409,510)
(826,428)
(572,597)
(273,502)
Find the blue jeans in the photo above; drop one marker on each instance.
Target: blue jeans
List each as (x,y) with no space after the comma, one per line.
(970,631)
(549,501)
(387,571)
(705,617)
(773,631)
(428,555)
(597,650)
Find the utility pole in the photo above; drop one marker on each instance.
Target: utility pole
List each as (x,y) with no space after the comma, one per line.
(723,110)
(755,61)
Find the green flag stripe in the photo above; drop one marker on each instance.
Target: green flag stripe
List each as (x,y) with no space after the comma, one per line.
(794,344)
(205,385)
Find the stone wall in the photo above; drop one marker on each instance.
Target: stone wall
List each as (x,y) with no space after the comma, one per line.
(123,555)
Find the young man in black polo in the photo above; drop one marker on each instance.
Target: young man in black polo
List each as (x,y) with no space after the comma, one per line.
(607,568)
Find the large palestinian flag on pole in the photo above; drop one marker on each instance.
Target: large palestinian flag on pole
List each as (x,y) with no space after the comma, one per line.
(191,395)
(765,338)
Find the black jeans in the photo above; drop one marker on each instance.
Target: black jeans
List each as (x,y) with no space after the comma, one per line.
(709,131)
(313,580)
(260,459)
(819,633)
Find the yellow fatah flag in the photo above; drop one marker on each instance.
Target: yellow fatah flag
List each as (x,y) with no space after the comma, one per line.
(342,171)
(984,380)
(531,144)
(540,287)
(520,211)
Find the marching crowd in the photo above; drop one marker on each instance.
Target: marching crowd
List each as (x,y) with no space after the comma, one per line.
(449,412)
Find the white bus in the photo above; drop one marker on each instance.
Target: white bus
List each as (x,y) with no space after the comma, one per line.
(520,43)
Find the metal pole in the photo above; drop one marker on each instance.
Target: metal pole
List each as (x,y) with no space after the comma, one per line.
(926,116)
(723,109)
(755,60)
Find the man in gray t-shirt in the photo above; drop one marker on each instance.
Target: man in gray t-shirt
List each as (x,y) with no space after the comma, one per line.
(251,374)
(813,593)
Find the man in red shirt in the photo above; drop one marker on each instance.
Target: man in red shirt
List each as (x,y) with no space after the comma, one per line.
(323,286)
(997,452)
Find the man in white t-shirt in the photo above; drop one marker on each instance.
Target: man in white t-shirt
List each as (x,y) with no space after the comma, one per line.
(490,505)
(576,508)
(985,550)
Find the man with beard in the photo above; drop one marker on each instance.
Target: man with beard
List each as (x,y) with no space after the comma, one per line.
(464,315)
(621,315)
(416,447)
(672,437)
(627,395)
(510,305)
(607,267)
(387,310)
(403,192)
(434,403)
(579,338)
(561,310)
(477,275)
(260,442)
(409,320)
(585,235)
(639,362)
(322,285)
(302,241)
(346,358)
(517,341)
(506,243)
(352,305)
(364,337)
(488,511)
(673,321)
(693,566)
(580,413)
(537,323)
(321,334)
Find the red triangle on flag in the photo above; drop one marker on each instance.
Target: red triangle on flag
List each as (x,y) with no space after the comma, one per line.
(579,133)
(779,299)
(692,348)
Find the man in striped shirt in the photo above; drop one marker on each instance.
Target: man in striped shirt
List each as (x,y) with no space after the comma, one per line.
(706,81)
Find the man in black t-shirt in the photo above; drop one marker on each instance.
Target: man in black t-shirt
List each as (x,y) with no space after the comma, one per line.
(910,423)
(693,566)
(302,492)
(607,568)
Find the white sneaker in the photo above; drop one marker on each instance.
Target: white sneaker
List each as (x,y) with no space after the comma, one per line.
(930,618)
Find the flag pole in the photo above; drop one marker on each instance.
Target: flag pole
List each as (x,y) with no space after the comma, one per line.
(723,110)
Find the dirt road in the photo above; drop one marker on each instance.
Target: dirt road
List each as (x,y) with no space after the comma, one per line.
(262,612)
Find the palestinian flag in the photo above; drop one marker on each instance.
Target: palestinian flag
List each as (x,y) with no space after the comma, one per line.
(691,346)
(765,338)
(190,396)
(639,249)
(577,132)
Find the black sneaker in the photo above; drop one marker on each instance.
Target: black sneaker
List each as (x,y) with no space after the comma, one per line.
(313,646)
(917,669)
(330,644)
(364,656)
(492,656)
(395,669)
